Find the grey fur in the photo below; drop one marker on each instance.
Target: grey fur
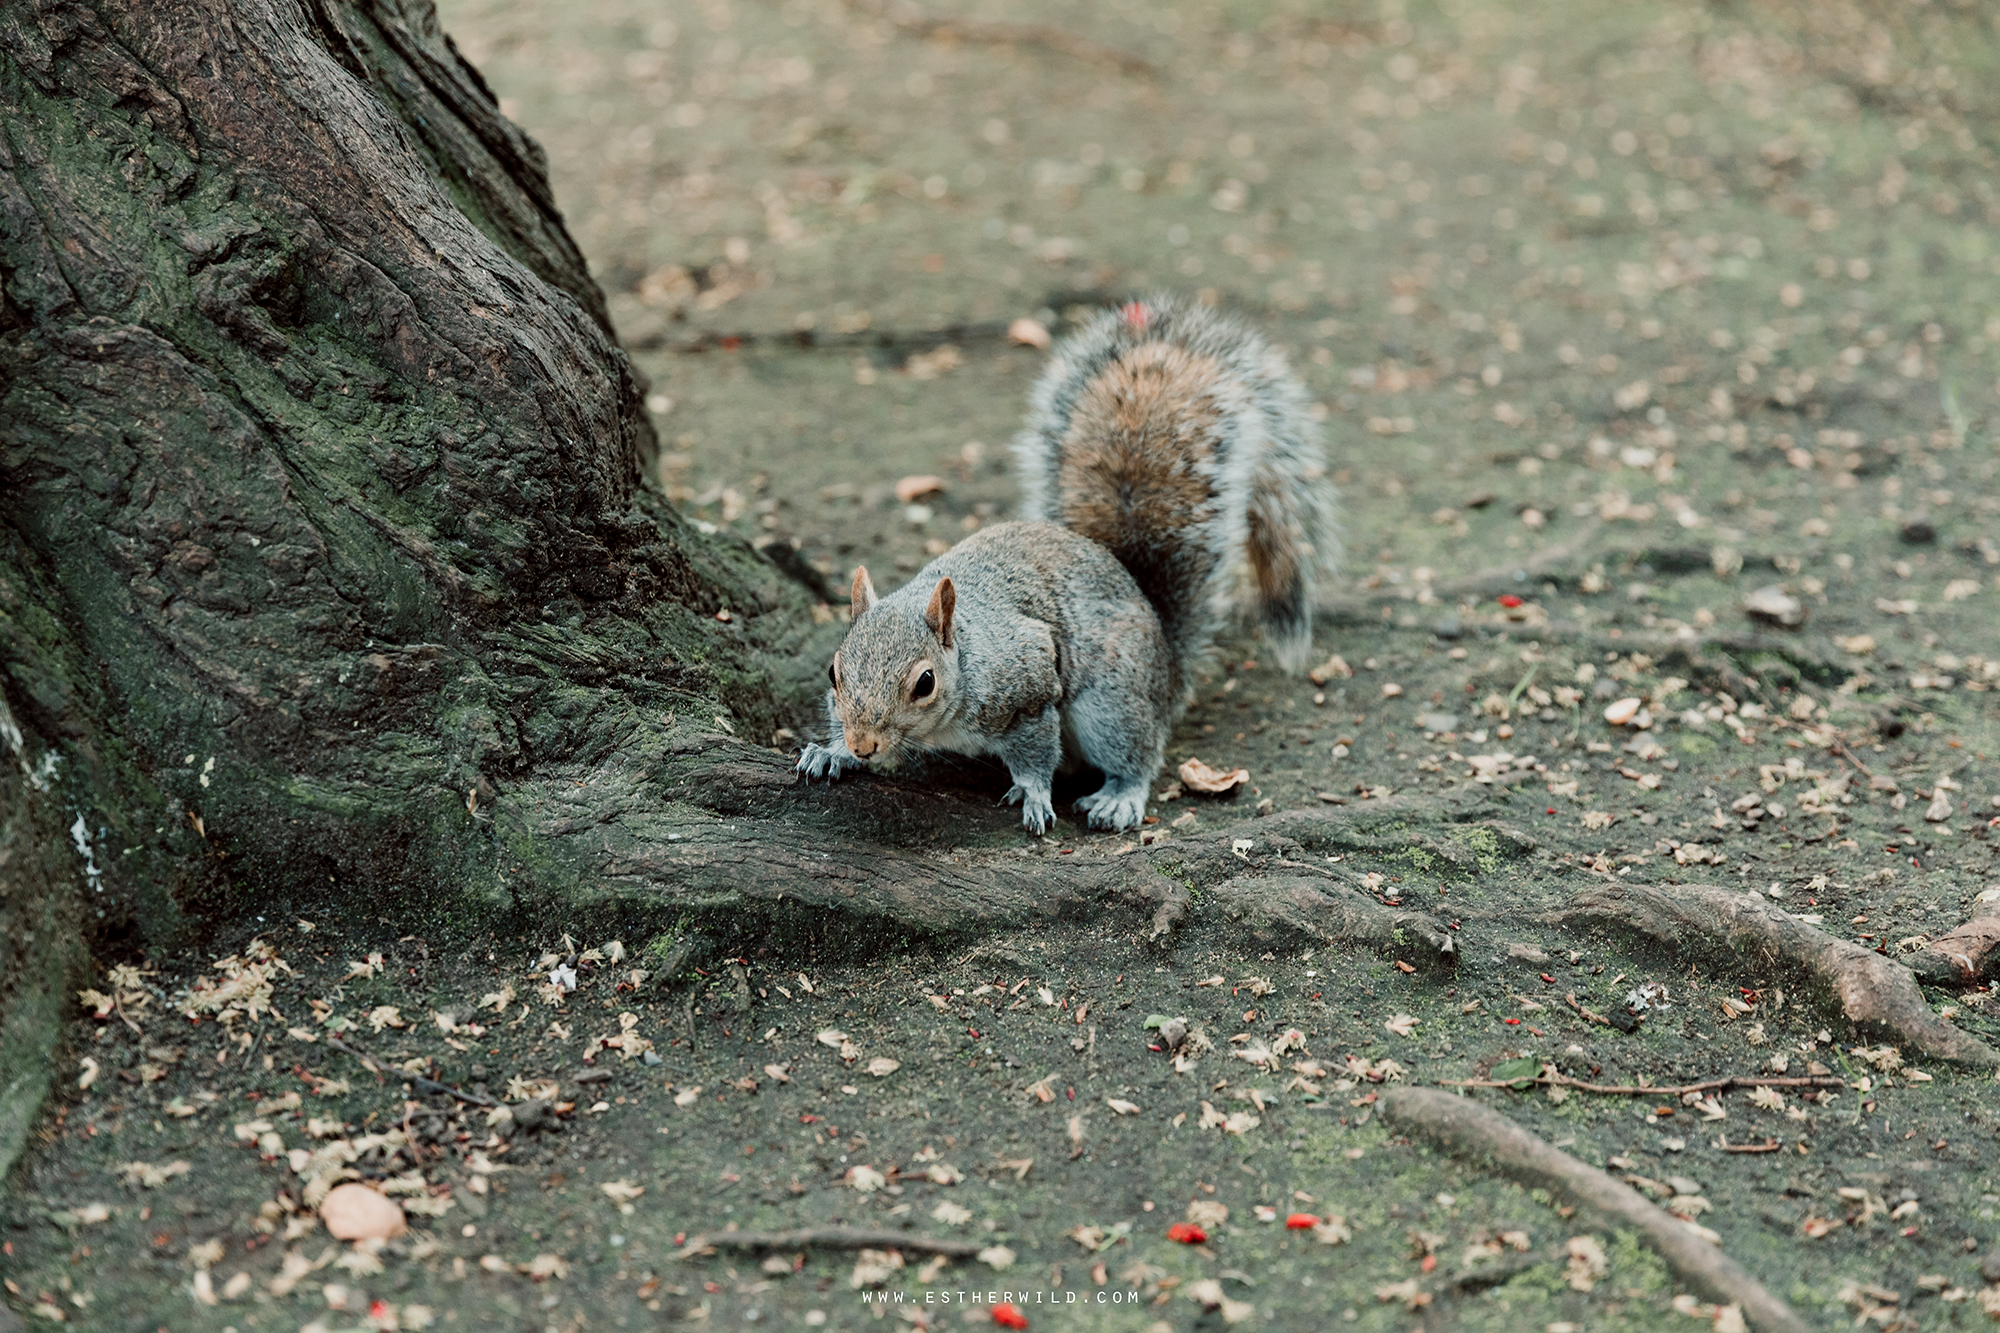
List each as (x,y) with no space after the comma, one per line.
(1054,651)
(1057,651)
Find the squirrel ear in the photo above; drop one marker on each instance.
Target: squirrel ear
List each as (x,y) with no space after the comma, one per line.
(862,596)
(944,600)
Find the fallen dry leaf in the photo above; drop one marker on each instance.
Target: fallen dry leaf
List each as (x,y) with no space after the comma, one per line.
(1334,668)
(1028,333)
(1207,1212)
(1197,776)
(1586,1262)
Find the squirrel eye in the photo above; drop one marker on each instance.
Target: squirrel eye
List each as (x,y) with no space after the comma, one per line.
(832,676)
(925,684)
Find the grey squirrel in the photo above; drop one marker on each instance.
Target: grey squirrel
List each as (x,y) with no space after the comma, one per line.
(1168,452)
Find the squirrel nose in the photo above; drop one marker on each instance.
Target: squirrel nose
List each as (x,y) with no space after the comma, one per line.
(861,746)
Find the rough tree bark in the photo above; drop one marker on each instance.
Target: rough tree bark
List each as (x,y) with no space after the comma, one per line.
(321,556)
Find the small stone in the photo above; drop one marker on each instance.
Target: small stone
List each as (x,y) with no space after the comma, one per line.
(1618,714)
(1989,1267)
(1173,1032)
(1437,722)
(355,1212)
(1918,532)
(1775,606)
(1451,627)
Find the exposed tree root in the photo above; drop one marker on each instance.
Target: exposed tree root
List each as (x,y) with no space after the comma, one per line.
(1283,908)
(833,1238)
(1637,1090)
(1872,992)
(1462,1126)
(1963,955)
(739,834)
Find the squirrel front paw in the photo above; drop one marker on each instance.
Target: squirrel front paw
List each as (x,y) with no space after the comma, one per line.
(1037,812)
(823,761)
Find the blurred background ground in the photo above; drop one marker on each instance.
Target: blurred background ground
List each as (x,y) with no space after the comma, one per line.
(1722,273)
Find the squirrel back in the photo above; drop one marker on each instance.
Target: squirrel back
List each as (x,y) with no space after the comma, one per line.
(1180,441)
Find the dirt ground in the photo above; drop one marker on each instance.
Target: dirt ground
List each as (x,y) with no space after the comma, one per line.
(1625,319)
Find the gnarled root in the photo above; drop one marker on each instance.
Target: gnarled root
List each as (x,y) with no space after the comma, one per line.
(1871,991)
(1281,908)
(1462,1126)
(1963,955)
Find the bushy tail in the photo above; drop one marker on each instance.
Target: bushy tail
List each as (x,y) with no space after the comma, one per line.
(1180,440)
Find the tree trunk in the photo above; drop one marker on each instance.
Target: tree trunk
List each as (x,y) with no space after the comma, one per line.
(321,556)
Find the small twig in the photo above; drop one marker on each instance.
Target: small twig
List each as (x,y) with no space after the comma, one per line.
(837,1238)
(1634,1090)
(1840,748)
(1771,1146)
(423,1084)
(1590,1014)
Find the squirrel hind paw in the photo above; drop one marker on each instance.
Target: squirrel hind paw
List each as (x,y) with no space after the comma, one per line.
(1115,806)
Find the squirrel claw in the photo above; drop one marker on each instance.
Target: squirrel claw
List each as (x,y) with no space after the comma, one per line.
(1037,815)
(1116,806)
(820,761)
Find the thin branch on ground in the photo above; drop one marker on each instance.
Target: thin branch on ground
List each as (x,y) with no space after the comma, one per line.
(1463,1127)
(1641,1090)
(835,1238)
(1590,1014)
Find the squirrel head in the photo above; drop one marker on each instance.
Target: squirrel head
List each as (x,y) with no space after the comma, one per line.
(896,675)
